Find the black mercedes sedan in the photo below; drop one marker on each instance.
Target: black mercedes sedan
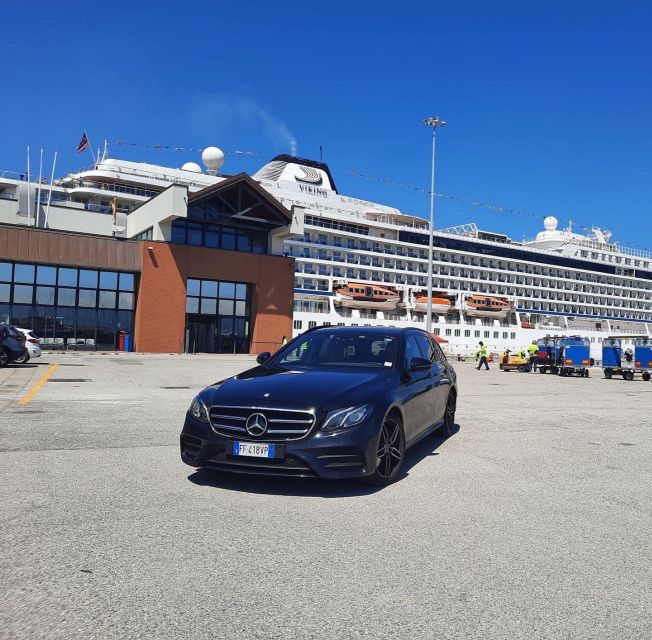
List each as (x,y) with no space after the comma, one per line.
(336,402)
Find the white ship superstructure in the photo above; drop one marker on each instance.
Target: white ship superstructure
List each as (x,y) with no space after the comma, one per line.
(362,263)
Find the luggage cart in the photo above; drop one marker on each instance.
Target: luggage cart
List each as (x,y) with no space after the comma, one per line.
(548,355)
(574,356)
(612,359)
(643,356)
(615,362)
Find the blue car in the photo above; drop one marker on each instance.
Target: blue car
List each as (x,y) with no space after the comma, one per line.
(342,402)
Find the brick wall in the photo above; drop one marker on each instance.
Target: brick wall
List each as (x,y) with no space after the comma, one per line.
(161,302)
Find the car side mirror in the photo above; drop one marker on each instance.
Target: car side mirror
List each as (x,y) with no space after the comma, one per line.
(263,357)
(420,364)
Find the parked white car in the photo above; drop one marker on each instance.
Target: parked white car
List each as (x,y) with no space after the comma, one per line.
(32,343)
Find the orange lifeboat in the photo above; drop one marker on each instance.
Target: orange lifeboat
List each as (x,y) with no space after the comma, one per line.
(356,295)
(439,305)
(482,306)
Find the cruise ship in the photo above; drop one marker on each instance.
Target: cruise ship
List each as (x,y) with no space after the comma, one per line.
(361,263)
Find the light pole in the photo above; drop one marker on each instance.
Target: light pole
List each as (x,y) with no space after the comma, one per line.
(435,123)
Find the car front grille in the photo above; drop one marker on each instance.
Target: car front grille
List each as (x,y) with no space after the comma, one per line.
(282,424)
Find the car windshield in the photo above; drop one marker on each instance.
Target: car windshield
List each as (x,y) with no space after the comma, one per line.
(325,349)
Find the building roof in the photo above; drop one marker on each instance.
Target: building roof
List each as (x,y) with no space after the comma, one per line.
(246,198)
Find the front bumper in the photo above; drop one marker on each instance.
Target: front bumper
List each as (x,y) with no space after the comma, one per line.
(350,453)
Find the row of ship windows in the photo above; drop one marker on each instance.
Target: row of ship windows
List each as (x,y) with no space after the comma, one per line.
(421,254)
(404,277)
(496,335)
(378,247)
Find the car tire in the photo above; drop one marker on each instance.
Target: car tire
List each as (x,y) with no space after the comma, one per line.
(23,359)
(646,376)
(4,358)
(447,429)
(391,452)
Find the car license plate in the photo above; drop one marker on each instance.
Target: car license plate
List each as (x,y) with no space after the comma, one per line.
(254,449)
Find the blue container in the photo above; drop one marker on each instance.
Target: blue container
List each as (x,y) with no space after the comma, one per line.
(612,353)
(643,354)
(127,342)
(575,352)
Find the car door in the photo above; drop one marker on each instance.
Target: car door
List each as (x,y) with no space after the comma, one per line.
(442,380)
(417,385)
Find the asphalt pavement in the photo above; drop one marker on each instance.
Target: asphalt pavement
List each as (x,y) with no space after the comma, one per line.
(532,521)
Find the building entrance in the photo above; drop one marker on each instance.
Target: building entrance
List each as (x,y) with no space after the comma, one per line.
(217,317)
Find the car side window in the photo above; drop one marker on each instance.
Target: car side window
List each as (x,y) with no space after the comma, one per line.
(425,346)
(438,354)
(412,350)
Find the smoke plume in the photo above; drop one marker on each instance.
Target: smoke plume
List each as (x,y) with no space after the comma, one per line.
(218,115)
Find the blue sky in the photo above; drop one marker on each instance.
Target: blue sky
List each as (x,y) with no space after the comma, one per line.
(548,106)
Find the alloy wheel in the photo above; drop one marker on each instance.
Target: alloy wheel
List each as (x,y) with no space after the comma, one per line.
(390,448)
(449,416)
(448,424)
(4,358)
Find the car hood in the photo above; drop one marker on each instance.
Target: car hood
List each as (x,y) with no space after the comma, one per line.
(300,389)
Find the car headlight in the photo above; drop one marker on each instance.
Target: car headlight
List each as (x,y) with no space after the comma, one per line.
(344,418)
(198,410)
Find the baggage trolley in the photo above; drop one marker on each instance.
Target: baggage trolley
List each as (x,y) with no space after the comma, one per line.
(548,355)
(574,356)
(643,356)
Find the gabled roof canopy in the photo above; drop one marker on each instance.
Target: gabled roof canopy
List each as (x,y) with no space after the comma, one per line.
(242,198)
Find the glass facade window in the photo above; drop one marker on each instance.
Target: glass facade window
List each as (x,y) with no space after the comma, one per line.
(66,297)
(217,316)
(67,277)
(6,271)
(23,294)
(67,307)
(214,236)
(45,295)
(24,273)
(46,275)
(88,278)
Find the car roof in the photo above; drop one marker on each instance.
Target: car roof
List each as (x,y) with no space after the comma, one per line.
(382,331)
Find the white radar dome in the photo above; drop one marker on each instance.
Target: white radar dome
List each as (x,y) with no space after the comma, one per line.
(550,223)
(213,158)
(191,166)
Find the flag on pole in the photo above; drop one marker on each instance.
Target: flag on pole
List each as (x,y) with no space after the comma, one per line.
(83,143)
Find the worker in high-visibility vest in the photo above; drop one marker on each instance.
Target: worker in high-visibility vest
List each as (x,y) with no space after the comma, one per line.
(533,352)
(481,356)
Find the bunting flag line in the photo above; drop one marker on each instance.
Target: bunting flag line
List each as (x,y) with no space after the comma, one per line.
(158,147)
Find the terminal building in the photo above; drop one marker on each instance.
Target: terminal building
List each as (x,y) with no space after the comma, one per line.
(185,262)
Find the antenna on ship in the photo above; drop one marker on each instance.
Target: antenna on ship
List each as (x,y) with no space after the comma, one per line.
(213,158)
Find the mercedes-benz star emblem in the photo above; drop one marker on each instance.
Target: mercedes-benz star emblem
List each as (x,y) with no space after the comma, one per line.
(256,424)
